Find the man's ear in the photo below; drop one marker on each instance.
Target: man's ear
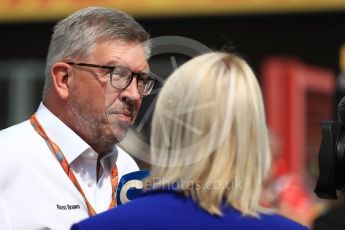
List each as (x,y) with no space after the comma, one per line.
(60,75)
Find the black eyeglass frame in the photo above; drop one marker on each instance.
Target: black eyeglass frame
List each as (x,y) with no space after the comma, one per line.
(112,70)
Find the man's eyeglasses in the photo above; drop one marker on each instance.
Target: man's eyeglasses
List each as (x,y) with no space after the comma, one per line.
(121,77)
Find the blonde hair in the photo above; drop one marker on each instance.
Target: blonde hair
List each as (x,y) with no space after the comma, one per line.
(209,134)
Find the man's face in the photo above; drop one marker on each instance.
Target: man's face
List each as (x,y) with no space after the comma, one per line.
(102,114)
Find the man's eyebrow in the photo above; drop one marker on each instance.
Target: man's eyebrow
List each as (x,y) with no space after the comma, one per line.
(112,63)
(118,62)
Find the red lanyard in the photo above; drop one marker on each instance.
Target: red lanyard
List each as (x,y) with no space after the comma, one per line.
(62,160)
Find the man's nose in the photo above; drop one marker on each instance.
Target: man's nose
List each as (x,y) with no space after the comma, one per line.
(131,93)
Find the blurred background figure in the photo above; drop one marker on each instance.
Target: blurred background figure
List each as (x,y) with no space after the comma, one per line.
(286,192)
(210,154)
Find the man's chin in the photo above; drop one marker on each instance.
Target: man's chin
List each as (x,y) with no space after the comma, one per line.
(117,134)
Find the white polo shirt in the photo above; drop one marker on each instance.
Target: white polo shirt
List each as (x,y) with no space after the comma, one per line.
(35,192)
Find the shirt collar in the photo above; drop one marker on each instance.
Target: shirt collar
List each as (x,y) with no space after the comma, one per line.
(108,161)
(68,141)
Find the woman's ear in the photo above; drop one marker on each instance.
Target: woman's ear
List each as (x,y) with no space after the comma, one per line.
(60,75)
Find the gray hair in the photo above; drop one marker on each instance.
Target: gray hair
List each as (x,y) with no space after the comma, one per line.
(74,36)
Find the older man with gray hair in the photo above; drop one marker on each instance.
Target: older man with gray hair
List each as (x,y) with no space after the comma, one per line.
(62,165)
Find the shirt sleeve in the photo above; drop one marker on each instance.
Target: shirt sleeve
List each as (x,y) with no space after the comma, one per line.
(4,218)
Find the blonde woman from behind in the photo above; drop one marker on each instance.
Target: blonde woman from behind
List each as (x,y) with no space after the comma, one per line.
(210,154)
